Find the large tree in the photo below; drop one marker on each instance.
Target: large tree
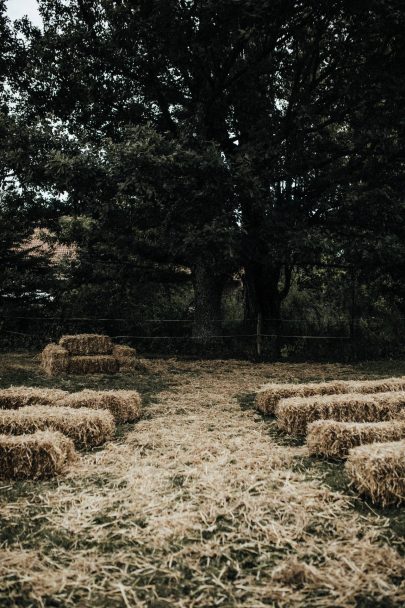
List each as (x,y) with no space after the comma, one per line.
(259,120)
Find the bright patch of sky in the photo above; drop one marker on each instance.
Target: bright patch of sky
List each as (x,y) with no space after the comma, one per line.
(18,8)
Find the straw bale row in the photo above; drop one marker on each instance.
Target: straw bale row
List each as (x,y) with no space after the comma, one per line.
(35,456)
(20,396)
(86,427)
(268,398)
(332,439)
(124,405)
(32,418)
(294,415)
(378,471)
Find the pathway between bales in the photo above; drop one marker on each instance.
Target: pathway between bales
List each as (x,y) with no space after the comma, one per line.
(198,506)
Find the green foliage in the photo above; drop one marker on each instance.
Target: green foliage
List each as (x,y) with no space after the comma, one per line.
(25,273)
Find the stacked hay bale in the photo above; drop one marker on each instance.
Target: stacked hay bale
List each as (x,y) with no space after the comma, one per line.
(86,344)
(87,354)
(294,415)
(35,456)
(378,471)
(269,396)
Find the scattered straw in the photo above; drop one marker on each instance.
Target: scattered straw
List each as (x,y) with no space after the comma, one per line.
(19,396)
(86,427)
(270,395)
(334,439)
(87,344)
(198,506)
(93,364)
(35,456)
(125,406)
(379,471)
(293,415)
(54,360)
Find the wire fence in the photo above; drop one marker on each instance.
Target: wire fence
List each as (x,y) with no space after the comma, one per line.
(342,338)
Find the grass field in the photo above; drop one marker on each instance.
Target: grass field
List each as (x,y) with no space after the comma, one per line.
(202,503)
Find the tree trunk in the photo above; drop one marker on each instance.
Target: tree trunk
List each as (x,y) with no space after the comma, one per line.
(264,297)
(208,288)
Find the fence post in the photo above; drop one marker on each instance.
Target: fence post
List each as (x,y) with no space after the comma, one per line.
(259,330)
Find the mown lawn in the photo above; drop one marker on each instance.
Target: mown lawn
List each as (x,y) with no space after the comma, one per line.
(202,503)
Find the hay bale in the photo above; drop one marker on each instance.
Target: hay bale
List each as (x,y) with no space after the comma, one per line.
(125,406)
(20,396)
(122,351)
(87,344)
(294,415)
(86,427)
(54,360)
(333,439)
(126,357)
(378,471)
(35,456)
(93,364)
(270,395)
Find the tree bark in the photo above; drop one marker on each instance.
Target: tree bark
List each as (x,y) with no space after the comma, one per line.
(208,288)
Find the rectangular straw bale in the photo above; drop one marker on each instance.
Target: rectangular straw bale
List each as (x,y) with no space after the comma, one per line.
(35,456)
(122,351)
(87,344)
(54,360)
(333,439)
(270,395)
(86,427)
(124,405)
(15,397)
(294,415)
(93,364)
(126,357)
(378,471)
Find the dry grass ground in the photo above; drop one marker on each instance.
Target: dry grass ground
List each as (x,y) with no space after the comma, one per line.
(202,503)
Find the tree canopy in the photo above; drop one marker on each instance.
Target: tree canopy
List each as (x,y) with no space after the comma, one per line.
(219,136)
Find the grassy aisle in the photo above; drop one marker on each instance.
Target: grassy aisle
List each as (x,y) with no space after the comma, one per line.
(200,504)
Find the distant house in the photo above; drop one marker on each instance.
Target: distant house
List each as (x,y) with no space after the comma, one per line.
(42,242)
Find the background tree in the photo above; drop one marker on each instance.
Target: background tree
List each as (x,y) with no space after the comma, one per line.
(25,273)
(223,134)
